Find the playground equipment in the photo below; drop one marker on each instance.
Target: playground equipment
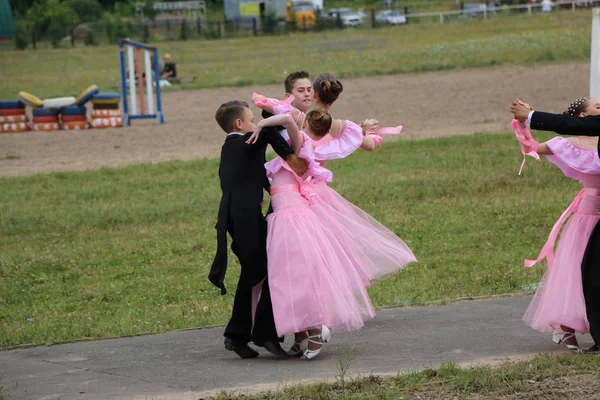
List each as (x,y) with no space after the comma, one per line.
(66,113)
(106,112)
(12,117)
(149,76)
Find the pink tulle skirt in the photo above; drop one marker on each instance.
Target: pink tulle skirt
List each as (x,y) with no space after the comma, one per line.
(559,298)
(379,251)
(313,278)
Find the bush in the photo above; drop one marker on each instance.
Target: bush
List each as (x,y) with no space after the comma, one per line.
(115,29)
(146,33)
(213,31)
(130,29)
(56,32)
(269,22)
(185,30)
(22,35)
(90,39)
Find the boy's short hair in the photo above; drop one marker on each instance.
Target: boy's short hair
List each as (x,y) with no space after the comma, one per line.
(228,112)
(292,78)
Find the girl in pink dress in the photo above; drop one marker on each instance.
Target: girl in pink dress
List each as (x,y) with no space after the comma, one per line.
(314,279)
(558,305)
(374,249)
(380,251)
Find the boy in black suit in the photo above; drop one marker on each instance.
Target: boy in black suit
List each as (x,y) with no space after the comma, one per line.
(243,179)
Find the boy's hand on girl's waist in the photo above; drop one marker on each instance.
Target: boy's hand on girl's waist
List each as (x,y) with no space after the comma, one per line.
(299,165)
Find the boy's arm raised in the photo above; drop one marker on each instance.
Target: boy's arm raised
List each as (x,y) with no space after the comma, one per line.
(268,134)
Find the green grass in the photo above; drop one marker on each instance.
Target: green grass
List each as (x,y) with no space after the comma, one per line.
(535,379)
(350,53)
(123,251)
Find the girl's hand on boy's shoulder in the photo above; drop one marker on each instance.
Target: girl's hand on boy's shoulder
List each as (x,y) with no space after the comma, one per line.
(254,137)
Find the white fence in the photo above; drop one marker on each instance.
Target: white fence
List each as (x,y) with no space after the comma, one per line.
(489,10)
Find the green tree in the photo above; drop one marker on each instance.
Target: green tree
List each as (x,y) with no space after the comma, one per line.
(22,34)
(90,39)
(52,17)
(149,10)
(115,28)
(56,31)
(87,10)
(125,9)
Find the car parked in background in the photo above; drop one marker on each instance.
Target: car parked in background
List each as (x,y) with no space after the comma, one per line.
(390,17)
(347,16)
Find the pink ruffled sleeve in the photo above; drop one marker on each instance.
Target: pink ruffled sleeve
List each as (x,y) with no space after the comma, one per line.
(342,146)
(572,160)
(315,170)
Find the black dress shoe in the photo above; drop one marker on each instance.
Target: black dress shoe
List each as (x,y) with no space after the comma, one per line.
(593,350)
(240,348)
(273,348)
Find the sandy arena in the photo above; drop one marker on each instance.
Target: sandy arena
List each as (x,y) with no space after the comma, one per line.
(427,104)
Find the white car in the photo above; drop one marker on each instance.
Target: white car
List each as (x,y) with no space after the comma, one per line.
(347,16)
(390,17)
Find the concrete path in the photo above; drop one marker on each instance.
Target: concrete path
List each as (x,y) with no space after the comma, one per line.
(193,364)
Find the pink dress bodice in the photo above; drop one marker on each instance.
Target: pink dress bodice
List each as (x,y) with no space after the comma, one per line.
(315,170)
(582,165)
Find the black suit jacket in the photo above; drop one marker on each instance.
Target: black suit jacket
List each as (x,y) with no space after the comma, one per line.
(563,125)
(243,179)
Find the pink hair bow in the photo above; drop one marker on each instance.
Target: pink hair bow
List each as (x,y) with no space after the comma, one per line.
(529,145)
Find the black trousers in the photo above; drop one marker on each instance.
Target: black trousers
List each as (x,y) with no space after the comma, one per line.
(590,273)
(240,324)
(248,229)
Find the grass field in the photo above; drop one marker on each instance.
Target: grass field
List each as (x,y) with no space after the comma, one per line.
(517,39)
(123,251)
(544,377)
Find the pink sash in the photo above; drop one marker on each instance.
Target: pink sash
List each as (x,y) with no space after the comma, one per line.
(548,249)
(303,188)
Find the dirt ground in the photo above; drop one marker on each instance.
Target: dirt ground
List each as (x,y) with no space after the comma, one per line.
(428,105)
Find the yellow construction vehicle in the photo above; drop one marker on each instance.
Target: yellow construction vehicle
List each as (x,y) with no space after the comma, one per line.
(303,12)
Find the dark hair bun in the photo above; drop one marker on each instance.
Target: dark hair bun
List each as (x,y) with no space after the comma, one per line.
(328,87)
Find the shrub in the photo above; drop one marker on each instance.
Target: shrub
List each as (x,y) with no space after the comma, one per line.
(22,35)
